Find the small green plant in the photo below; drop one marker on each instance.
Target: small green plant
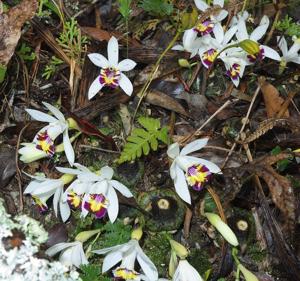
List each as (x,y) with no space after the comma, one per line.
(142,140)
(288,27)
(124,8)
(26,53)
(51,68)
(157,7)
(71,40)
(91,272)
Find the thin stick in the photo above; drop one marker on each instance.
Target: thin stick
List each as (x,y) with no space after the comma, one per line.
(244,124)
(216,198)
(100,149)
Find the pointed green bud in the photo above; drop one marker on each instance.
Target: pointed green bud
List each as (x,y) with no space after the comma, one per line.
(67,178)
(73,124)
(86,235)
(173,263)
(137,233)
(184,63)
(223,228)
(189,19)
(249,46)
(179,249)
(248,275)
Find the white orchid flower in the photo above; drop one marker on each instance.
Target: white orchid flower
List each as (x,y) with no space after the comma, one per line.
(255,36)
(127,254)
(191,43)
(71,253)
(111,73)
(41,189)
(43,142)
(212,23)
(95,192)
(198,170)
(186,272)
(289,55)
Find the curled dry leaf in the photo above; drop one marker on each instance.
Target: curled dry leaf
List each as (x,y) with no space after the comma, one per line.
(272,100)
(11,23)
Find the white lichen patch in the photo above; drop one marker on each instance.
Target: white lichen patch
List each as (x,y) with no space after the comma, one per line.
(18,261)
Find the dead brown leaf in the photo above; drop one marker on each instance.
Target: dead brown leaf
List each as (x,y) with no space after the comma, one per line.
(11,23)
(272,99)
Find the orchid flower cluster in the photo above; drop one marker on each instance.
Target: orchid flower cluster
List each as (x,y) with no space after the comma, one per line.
(236,48)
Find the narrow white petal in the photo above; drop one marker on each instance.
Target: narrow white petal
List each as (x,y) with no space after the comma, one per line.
(178,48)
(126,84)
(181,186)
(56,199)
(173,150)
(201,5)
(126,65)
(58,248)
(55,111)
(113,51)
(261,30)
(218,32)
(33,185)
(296,60)
(121,188)
(293,51)
(221,15)
(147,265)
(95,87)
(117,248)
(187,270)
(40,116)
(111,260)
(99,60)
(229,34)
(64,210)
(68,148)
(241,33)
(99,188)
(282,44)
(113,207)
(173,170)
(194,146)
(270,53)
(68,171)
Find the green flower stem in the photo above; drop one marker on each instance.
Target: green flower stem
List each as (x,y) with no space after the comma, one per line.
(60,147)
(143,91)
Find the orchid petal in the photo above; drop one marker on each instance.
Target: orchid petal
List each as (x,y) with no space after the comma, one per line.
(55,111)
(64,209)
(58,248)
(121,188)
(106,172)
(282,44)
(95,87)
(126,65)
(218,32)
(173,170)
(40,116)
(213,168)
(194,146)
(181,186)
(113,51)
(221,15)
(147,265)
(69,151)
(261,30)
(218,2)
(111,260)
(98,60)
(201,5)
(270,53)
(117,248)
(173,150)
(113,207)
(241,33)
(294,49)
(126,84)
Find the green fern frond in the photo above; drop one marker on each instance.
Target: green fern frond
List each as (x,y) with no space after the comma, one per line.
(143,140)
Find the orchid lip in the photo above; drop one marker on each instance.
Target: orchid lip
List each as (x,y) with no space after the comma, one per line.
(197,176)
(97,204)
(234,71)
(204,27)
(110,77)
(125,273)
(45,143)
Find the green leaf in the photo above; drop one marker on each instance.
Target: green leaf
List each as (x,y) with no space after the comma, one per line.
(142,140)
(91,272)
(157,7)
(2,72)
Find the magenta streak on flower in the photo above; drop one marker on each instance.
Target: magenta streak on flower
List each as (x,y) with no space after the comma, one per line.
(257,57)
(45,143)
(110,77)
(97,204)
(37,201)
(197,175)
(125,274)
(74,200)
(209,56)
(234,71)
(204,27)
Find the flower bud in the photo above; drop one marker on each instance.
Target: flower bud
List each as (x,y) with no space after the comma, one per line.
(223,228)
(184,63)
(248,275)
(137,233)
(86,235)
(67,178)
(249,46)
(189,19)
(73,124)
(179,249)
(172,264)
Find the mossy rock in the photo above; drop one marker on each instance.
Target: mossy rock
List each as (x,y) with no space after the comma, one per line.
(165,208)
(200,260)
